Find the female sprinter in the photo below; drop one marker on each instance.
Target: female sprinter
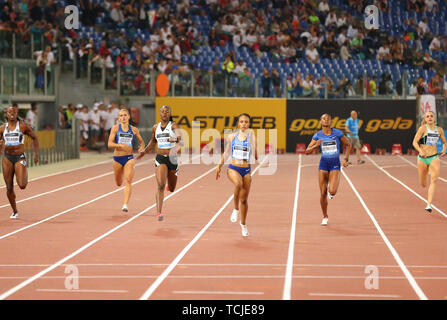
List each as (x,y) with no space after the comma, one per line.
(328,140)
(14,162)
(241,142)
(121,136)
(168,137)
(425,142)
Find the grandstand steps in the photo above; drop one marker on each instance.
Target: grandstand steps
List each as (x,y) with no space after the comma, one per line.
(76,91)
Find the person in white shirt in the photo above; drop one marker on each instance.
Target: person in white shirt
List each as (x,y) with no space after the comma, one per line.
(323,6)
(31,116)
(435,44)
(431,6)
(352,31)
(237,41)
(95,124)
(312,54)
(423,26)
(110,122)
(147,48)
(331,19)
(341,38)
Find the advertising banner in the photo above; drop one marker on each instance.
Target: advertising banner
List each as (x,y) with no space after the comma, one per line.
(382,122)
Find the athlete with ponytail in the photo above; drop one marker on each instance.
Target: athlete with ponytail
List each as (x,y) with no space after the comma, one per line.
(120,138)
(425,142)
(241,145)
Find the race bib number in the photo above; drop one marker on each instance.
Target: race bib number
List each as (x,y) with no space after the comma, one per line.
(12,138)
(432,139)
(125,138)
(163,140)
(241,152)
(329,147)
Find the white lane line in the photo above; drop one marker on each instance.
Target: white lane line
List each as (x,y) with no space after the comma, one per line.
(289,269)
(393,251)
(55,265)
(217,265)
(395,166)
(219,292)
(412,164)
(357,295)
(82,291)
(70,185)
(71,209)
(220,276)
(405,186)
(146,295)
(65,171)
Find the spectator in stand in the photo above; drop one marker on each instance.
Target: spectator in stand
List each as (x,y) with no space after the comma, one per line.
(420,86)
(265,83)
(429,62)
(307,85)
(276,81)
(331,21)
(95,125)
(435,85)
(312,54)
(435,44)
(373,86)
(31,117)
(418,60)
(245,79)
(329,47)
(344,51)
(62,121)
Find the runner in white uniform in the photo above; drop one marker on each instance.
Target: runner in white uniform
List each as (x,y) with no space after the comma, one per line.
(12,135)
(167,136)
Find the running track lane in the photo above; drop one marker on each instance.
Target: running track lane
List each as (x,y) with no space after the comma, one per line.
(65,234)
(419,238)
(139,243)
(331,262)
(39,208)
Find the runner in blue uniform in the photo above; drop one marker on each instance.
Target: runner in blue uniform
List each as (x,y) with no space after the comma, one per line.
(328,140)
(120,138)
(241,145)
(425,142)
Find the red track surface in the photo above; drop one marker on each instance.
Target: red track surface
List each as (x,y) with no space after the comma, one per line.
(328,262)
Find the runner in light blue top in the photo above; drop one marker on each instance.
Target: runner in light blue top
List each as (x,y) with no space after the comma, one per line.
(352,131)
(328,140)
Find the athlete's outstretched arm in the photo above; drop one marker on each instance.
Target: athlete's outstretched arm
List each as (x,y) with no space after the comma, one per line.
(416,139)
(150,145)
(444,143)
(224,155)
(254,144)
(30,133)
(312,145)
(139,138)
(178,133)
(348,145)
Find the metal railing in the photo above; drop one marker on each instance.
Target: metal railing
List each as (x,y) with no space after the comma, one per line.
(54,146)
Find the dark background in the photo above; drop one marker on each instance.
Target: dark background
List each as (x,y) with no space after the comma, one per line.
(367,110)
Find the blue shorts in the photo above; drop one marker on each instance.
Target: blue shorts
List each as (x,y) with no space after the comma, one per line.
(122,160)
(241,170)
(329,164)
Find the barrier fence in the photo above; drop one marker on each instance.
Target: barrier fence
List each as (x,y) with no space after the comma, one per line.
(54,146)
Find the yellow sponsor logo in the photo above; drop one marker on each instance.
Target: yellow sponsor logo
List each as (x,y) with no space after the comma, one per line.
(312,126)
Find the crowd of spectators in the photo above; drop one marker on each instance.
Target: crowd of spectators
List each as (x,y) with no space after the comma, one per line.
(144,35)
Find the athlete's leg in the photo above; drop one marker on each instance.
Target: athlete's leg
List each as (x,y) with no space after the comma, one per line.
(323,179)
(422,173)
(21,174)
(243,195)
(434,169)
(172,179)
(334,181)
(8,175)
(118,171)
(161,173)
(129,172)
(236,179)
